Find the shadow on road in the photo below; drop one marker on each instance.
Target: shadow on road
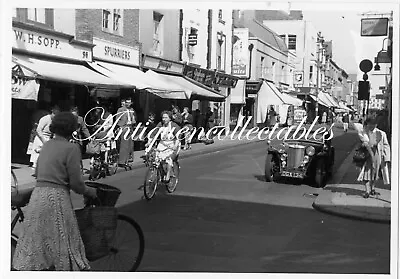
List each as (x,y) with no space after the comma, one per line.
(193,234)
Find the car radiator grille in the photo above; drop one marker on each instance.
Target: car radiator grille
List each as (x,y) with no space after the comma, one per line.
(295,156)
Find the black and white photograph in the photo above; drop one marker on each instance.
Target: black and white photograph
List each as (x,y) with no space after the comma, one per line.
(215,138)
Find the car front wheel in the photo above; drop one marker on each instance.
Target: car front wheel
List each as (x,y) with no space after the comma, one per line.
(320,174)
(271,168)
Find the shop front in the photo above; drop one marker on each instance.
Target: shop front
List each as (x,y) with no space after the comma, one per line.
(250,108)
(217,82)
(58,64)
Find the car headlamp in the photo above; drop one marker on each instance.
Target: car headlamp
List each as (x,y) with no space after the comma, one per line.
(310,151)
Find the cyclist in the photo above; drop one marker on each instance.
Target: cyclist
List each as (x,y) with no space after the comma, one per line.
(169,145)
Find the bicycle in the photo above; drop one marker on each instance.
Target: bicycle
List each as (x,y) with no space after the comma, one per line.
(105,162)
(156,172)
(19,199)
(117,255)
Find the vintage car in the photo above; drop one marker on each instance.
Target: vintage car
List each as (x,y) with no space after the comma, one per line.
(309,160)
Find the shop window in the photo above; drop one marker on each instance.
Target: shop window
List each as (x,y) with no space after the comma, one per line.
(292,42)
(311,73)
(273,70)
(40,17)
(158,40)
(220,17)
(221,52)
(262,70)
(112,21)
(283,37)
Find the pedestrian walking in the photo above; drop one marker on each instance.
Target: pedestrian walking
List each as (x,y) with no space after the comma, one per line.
(271,117)
(176,115)
(43,134)
(346,121)
(323,120)
(187,119)
(209,119)
(50,238)
(126,122)
(82,132)
(376,166)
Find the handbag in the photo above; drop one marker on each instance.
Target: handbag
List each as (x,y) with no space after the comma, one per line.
(93,147)
(361,155)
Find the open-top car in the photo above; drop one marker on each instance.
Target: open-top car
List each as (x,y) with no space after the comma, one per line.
(308,160)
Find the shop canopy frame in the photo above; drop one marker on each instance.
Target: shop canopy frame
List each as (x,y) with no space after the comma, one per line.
(194,89)
(321,101)
(286,98)
(138,79)
(65,72)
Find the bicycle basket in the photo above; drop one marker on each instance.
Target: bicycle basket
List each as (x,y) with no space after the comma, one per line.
(107,195)
(93,147)
(97,226)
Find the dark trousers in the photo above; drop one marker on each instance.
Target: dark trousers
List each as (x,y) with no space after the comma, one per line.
(125,148)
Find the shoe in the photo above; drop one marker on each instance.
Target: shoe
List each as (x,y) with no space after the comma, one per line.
(366,195)
(374,193)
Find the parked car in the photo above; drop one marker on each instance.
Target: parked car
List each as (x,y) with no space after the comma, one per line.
(308,160)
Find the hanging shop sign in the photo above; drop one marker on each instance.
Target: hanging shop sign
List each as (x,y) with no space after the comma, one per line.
(240,52)
(156,63)
(59,45)
(117,53)
(192,39)
(374,27)
(203,76)
(24,88)
(225,80)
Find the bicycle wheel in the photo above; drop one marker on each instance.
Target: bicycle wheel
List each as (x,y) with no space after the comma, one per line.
(112,160)
(173,182)
(14,181)
(150,182)
(13,247)
(127,249)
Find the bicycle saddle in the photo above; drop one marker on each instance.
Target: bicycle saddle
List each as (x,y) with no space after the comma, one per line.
(21,198)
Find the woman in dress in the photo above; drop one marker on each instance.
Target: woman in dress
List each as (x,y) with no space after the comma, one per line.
(50,239)
(169,145)
(377,165)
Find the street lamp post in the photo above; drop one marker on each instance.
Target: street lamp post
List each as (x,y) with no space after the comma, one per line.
(319,40)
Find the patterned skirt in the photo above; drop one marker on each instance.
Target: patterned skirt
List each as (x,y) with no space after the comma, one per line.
(368,172)
(50,237)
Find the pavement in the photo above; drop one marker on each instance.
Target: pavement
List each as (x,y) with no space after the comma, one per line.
(343,197)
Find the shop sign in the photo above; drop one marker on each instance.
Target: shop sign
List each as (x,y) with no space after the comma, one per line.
(36,42)
(116,53)
(24,88)
(225,80)
(240,52)
(192,40)
(374,27)
(203,76)
(161,64)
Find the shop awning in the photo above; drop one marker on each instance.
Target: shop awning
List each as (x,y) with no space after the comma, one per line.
(193,89)
(238,94)
(140,80)
(332,100)
(321,101)
(344,107)
(286,98)
(65,72)
(266,97)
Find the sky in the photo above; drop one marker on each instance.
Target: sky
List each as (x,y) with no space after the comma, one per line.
(343,28)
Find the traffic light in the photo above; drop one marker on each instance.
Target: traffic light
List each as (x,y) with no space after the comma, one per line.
(363,90)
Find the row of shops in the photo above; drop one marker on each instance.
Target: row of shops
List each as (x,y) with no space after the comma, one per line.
(52,68)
